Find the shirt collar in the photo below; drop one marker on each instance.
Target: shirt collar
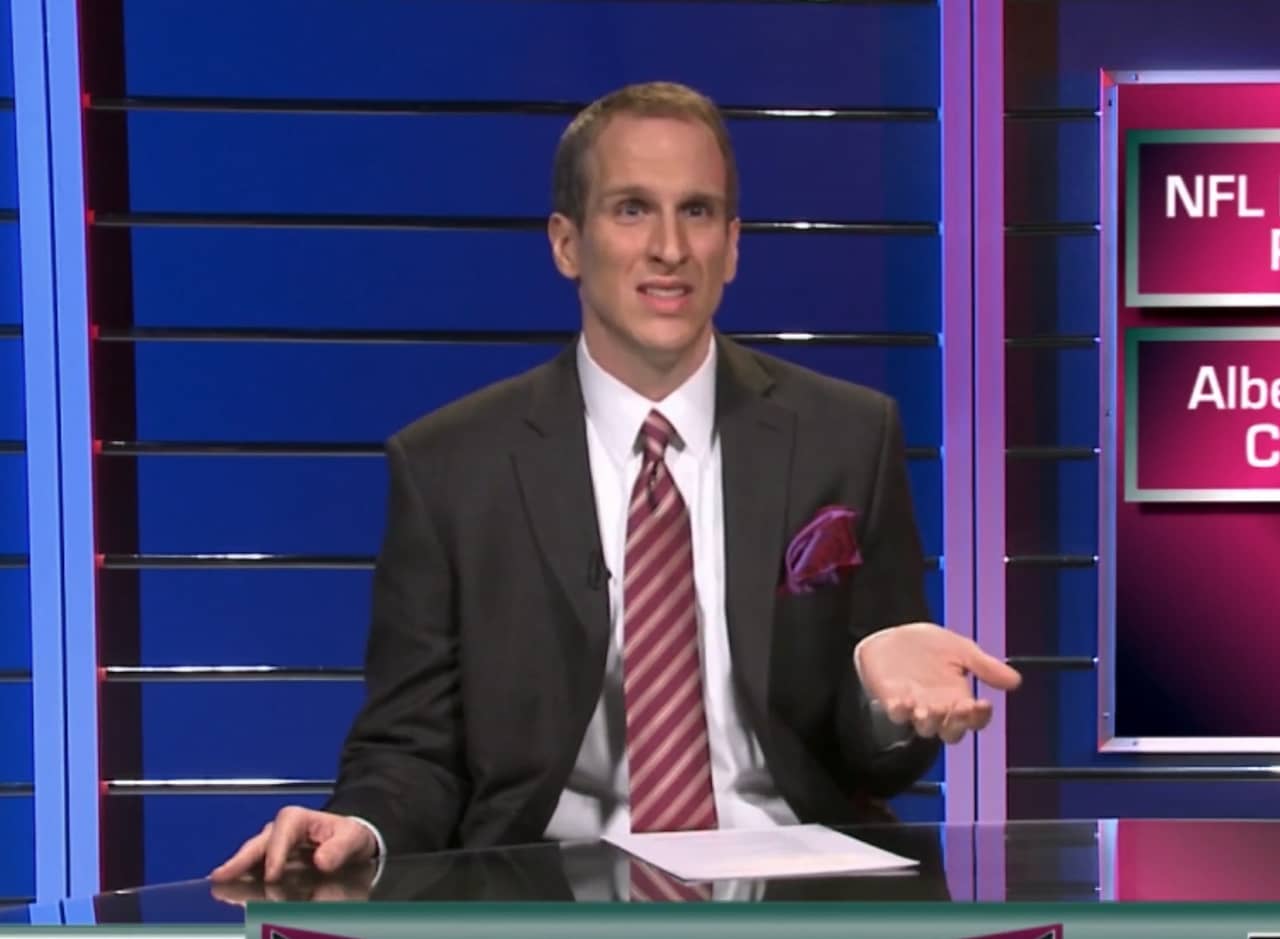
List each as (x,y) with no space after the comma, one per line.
(617,411)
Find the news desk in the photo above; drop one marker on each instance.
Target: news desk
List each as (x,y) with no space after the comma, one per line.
(1064,865)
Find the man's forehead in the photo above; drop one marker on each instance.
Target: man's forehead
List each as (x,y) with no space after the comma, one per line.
(620,160)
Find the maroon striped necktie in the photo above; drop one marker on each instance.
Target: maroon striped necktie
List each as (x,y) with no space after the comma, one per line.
(668,755)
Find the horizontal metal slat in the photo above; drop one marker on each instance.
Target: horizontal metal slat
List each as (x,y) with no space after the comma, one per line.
(458,223)
(1032,229)
(137,674)
(236,334)
(1148,773)
(1051,114)
(133,448)
(1052,560)
(423,108)
(1051,453)
(121,562)
(1053,662)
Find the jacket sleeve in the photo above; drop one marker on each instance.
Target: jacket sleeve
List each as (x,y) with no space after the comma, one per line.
(889,591)
(402,767)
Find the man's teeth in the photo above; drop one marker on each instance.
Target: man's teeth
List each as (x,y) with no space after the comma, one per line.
(664,291)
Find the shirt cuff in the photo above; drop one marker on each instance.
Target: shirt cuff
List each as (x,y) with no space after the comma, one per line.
(382,846)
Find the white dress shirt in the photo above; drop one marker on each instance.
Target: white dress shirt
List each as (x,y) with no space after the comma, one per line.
(595,801)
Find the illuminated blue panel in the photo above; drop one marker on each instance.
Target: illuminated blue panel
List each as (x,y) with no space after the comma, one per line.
(6,50)
(1134,799)
(1048,504)
(743,53)
(1052,285)
(504,280)
(934,594)
(17,860)
(1053,398)
(15,755)
(1059,606)
(463,165)
(248,729)
(254,617)
(913,807)
(298,391)
(10,287)
(1059,50)
(15,611)
(280,505)
(926,495)
(17,813)
(11,402)
(8,159)
(13,503)
(1053,168)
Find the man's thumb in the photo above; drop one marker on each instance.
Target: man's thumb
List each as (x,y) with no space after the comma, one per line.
(343,846)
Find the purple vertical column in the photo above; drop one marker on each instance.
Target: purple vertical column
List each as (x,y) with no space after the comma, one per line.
(989,429)
(956,115)
(988,404)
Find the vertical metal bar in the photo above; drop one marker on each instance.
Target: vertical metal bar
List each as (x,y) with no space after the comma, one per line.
(44,504)
(957,364)
(66,138)
(989,403)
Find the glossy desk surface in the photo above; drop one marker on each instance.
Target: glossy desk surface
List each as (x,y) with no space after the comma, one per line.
(1087,861)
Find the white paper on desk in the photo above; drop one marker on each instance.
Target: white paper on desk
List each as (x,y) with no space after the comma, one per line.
(731,853)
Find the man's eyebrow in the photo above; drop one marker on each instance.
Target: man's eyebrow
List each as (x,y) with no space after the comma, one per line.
(626,190)
(642,192)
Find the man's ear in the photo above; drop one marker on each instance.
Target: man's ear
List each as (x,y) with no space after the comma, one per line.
(731,256)
(563,235)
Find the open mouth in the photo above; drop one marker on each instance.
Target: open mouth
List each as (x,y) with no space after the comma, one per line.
(673,292)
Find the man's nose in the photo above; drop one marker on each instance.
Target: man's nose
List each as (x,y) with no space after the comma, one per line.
(669,244)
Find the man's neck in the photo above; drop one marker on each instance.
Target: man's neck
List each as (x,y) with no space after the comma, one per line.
(652,380)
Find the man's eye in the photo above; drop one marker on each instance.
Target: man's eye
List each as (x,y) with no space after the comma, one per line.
(698,210)
(631,208)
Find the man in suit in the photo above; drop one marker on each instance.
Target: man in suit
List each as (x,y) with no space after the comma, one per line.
(592,610)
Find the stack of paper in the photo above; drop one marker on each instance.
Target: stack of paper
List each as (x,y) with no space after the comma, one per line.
(766,853)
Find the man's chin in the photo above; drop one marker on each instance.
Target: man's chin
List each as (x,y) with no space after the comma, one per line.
(674,345)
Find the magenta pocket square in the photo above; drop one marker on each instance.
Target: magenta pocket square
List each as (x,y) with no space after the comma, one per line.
(821,552)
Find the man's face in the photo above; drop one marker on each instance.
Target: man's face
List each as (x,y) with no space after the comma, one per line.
(655,248)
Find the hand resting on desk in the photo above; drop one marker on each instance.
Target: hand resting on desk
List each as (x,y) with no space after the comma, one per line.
(332,840)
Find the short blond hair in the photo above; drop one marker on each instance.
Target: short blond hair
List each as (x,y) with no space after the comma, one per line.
(569,181)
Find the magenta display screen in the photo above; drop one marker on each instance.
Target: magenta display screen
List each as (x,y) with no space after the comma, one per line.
(1190,553)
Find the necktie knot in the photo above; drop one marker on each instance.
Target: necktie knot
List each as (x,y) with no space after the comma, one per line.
(656,434)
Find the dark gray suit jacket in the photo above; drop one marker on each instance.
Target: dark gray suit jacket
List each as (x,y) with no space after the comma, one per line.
(486,651)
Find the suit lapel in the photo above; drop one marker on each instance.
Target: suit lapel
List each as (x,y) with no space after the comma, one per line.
(555,479)
(757,436)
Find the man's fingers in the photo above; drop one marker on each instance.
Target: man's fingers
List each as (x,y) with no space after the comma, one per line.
(287,832)
(244,860)
(964,716)
(956,724)
(981,715)
(926,720)
(349,842)
(899,709)
(991,671)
